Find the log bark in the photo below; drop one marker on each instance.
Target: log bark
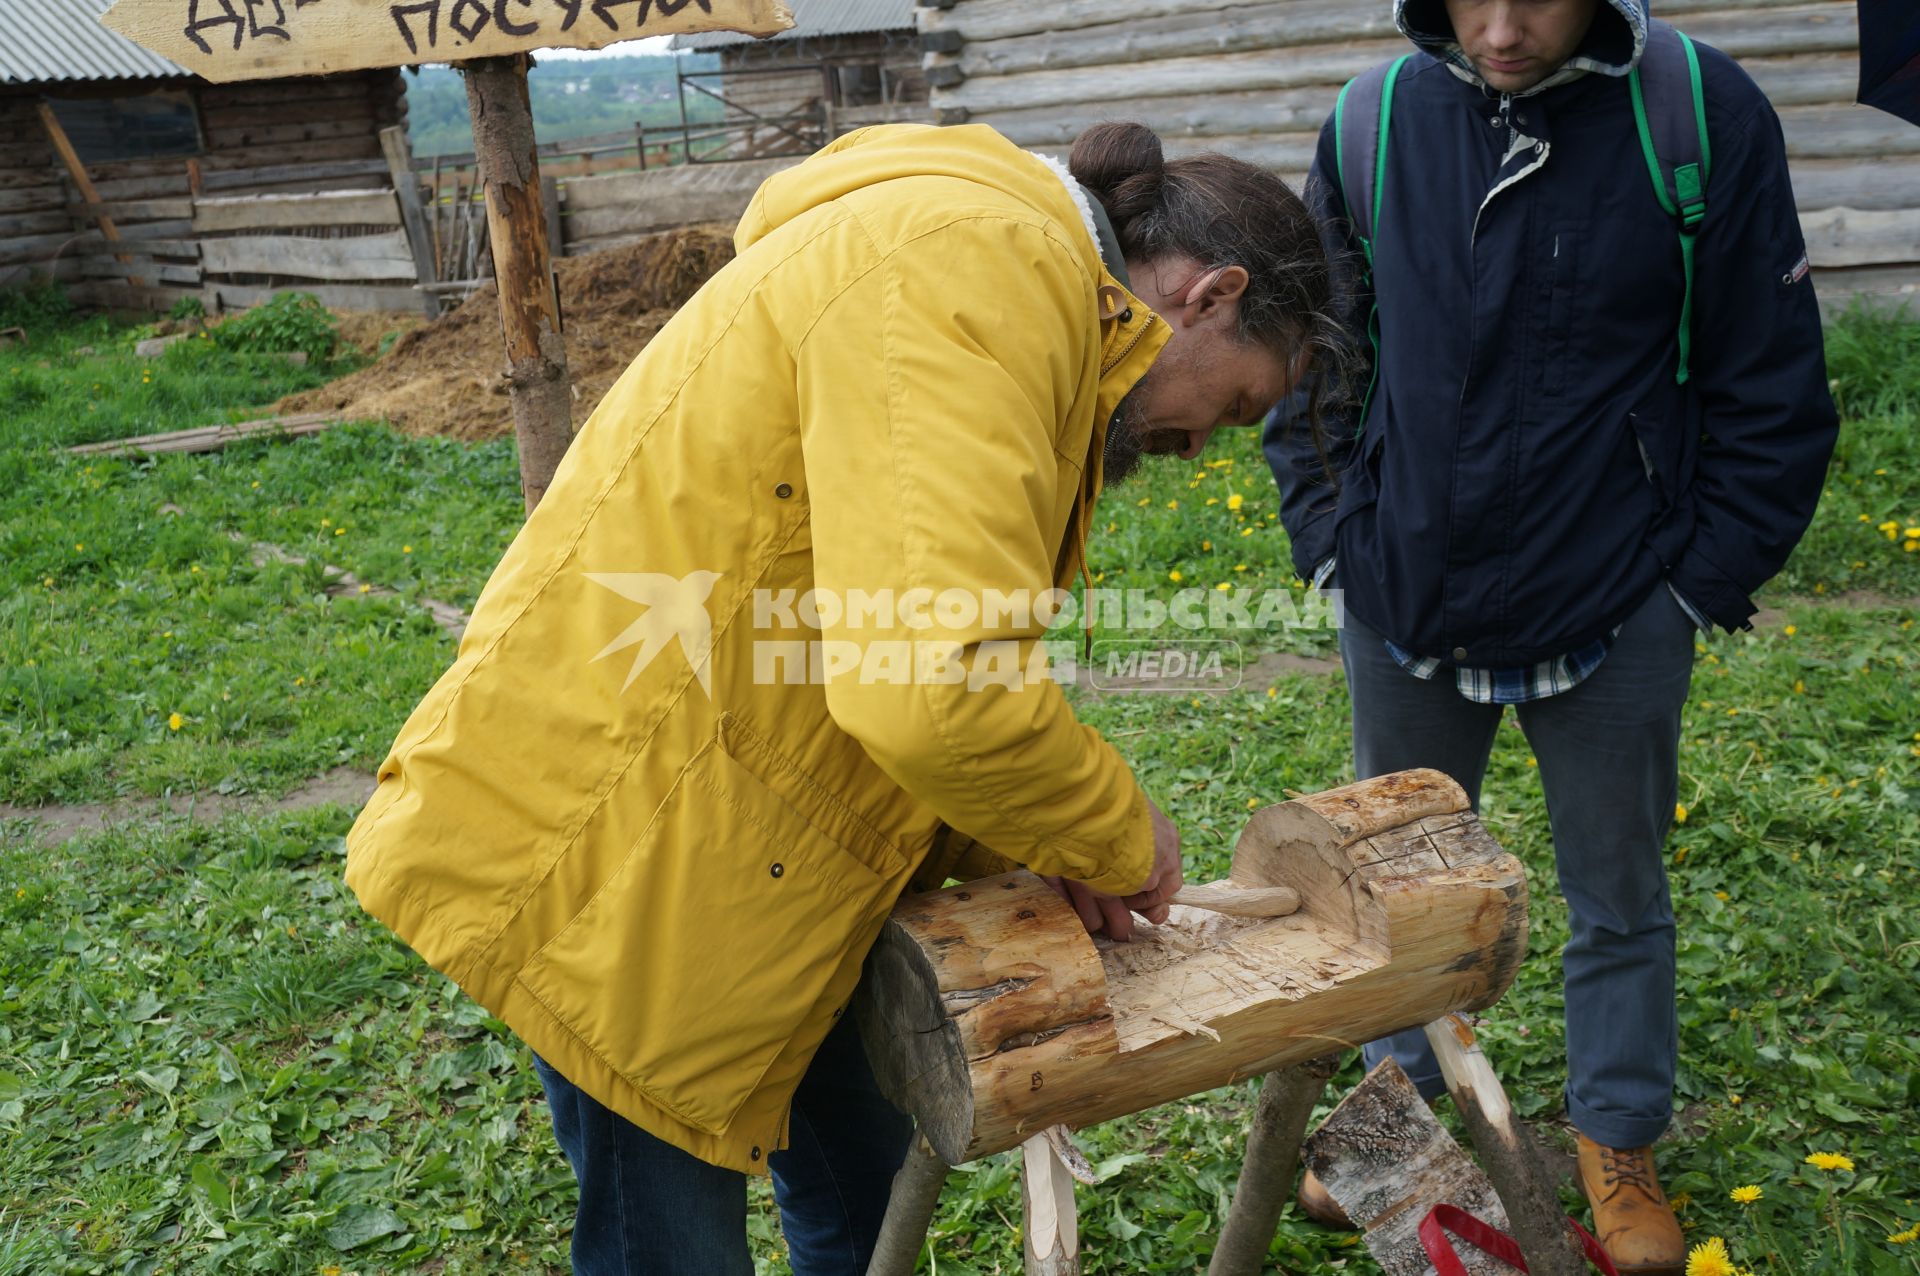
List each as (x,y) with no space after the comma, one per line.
(1507,1151)
(990,1014)
(529,302)
(1385,1158)
(916,1193)
(1272,1163)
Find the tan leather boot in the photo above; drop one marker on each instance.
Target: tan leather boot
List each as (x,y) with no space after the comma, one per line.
(1631,1216)
(1319,1205)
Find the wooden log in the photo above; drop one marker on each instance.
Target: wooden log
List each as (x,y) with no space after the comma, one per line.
(910,1206)
(1879,288)
(1384,1157)
(50,221)
(1849,237)
(135,210)
(1812,79)
(1050,1237)
(337,150)
(211,438)
(22,199)
(1190,116)
(537,382)
(989,1014)
(282,212)
(409,300)
(279,130)
(321,175)
(1825,132)
(413,219)
(361,258)
(1507,1152)
(1272,1163)
(635,203)
(1881,185)
(78,172)
(140,268)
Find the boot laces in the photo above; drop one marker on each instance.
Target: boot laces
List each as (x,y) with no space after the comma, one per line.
(1627,1169)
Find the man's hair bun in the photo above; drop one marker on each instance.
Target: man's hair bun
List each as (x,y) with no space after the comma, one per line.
(1124,166)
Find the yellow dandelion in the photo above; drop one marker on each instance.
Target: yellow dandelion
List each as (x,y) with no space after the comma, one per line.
(1799,687)
(299,682)
(1791,630)
(366,589)
(1912,533)
(1235,501)
(1144,501)
(1246,531)
(1252,803)
(1709,1259)
(1225,587)
(78,548)
(1679,812)
(1206,544)
(1533,761)
(1173,505)
(1830,1161)
(1680,1200)
(1898,1238)
(1213,500)
(1866,518)
(47,581)
(1098,577)
(408,549)
(20,893)
(1745,1195)
(256,482)
(339,531)
(1272,692)
(1680,856)
(1735,1100)
(194,570)
(1722,896)
(326,522)
(1174,575)
(175,722)
(1239,567)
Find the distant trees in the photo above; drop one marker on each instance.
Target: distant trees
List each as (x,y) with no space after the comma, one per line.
(610,94)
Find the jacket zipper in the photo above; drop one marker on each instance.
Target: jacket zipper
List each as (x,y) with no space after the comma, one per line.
(1127,349)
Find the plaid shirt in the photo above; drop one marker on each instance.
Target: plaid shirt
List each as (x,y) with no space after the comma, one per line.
(1517,686)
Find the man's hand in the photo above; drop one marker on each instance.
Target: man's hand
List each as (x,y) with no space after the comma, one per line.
(1107,914)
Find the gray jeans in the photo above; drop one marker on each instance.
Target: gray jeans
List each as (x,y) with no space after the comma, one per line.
(1609,762)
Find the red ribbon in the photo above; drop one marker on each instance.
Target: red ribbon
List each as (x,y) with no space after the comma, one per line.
(1442,1219)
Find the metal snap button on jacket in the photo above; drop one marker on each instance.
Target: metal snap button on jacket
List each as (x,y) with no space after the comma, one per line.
(783,490)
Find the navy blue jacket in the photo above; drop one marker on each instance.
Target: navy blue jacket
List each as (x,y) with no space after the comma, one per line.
(1529,470)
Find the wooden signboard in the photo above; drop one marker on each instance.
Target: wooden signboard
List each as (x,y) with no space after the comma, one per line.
(259,39)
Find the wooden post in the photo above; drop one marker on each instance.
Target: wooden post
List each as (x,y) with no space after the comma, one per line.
(916,1192)
(1050,1237)
(78,172)
(529,305)
(550,204)
(406,190)
(1506,1150)
(1272,1163)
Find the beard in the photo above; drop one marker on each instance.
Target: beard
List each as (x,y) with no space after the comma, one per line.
(1131,436)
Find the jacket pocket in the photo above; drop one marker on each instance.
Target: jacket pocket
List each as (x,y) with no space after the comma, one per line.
(712,944)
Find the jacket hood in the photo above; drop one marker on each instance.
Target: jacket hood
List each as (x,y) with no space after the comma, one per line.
(870,156)
(1612,47)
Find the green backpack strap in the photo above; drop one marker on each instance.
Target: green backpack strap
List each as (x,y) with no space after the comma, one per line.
(1670,109)
(1360,149)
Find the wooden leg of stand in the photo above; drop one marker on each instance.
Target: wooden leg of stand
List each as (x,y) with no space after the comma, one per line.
(1506,1152)
(916,1191)
(1051,1237)
(1273,1160)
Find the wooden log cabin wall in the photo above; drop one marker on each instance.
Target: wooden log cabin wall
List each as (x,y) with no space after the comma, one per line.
(1257,79)
(276,185)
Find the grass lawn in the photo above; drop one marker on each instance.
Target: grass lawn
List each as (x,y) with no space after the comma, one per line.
(211,1061)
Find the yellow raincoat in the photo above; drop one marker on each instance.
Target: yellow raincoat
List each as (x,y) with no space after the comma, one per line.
(622,827)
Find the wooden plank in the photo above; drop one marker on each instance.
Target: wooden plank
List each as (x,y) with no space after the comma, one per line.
(23,199)
(25,248)
(50,220)
(413,218)
(1137,38)
(209,438)
(1808,28)
(153,247)
(333,296)
(365,257)
(135,210)
(267,212)
(1263,69)
(336,150)
(285,132)
(1876,185)
(164,186)
(333,88)
(316,39)
(631,203)
(119,296)
(239,178)
(1187,116)
(1828,132)
(1811,80)
(1889,288)
(1850,237)
(140,268)
(172,230)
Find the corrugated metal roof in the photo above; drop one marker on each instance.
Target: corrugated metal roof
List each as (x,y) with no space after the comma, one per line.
(813,18)
(51,40)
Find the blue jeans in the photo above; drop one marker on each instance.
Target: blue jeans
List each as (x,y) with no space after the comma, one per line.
(1609,754)
(649,1209)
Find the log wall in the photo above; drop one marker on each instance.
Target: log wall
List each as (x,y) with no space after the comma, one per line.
(290,191)
(1258,78)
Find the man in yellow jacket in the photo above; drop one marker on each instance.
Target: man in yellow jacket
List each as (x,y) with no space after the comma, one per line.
(653,827)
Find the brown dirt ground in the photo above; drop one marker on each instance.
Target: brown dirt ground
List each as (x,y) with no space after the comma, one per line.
(444,377)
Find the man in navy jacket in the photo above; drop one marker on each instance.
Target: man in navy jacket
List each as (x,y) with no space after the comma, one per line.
(1536,512)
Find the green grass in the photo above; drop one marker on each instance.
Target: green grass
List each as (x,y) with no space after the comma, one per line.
(211,1061)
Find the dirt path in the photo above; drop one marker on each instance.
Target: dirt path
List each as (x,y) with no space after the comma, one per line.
(57,823)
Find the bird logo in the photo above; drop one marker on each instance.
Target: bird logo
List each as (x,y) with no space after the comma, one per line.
(676,607)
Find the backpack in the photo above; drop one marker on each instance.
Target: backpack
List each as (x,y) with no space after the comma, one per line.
(1669,108)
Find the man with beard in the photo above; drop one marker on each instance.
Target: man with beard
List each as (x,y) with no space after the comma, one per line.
(1599,421)
(659,853)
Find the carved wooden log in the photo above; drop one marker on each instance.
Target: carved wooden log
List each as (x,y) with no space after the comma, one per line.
(990,1014)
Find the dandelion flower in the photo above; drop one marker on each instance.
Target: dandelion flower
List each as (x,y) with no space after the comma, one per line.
(1791,630)
(1173,505)
(1251,804)
(1898,1238)
(1246,531)
(1174,576)
(1679,813)
(1745,1195)
(1799,687)
(1144,501)
(1239,567)
(1235,501)
(339,531)
(1206,544)
(366,589)
(1734,1099)
(1225,586)
(175,722)
(1213,500)
(1709,1259)
(1830,1161)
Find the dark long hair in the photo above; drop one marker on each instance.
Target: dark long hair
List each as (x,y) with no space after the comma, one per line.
(1226,212)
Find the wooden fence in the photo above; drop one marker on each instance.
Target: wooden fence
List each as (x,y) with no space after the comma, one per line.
(1257,79)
